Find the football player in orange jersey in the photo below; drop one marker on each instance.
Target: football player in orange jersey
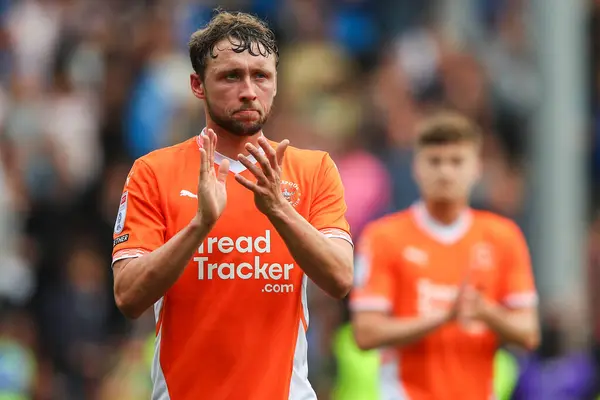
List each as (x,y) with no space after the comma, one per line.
(439,285)
(223,253)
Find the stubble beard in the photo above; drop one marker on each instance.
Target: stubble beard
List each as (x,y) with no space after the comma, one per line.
(236,127)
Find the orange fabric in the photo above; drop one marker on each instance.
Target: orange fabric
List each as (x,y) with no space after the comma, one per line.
(403,270)
(229,325)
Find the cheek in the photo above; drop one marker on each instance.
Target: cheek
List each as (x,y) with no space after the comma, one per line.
(267,91)
(467,180)
(430,180)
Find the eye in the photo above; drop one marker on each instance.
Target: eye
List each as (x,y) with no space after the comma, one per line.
(435,161)
(261,75)
(457,161)
(232,76)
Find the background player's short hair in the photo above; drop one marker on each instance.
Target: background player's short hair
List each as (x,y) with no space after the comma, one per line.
(447,128)
(244,31)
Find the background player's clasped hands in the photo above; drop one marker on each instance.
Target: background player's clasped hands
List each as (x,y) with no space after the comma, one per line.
(470,308)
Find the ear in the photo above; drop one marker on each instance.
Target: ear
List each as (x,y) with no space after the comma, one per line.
(197,86)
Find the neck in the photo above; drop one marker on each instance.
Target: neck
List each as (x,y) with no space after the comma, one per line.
(445,212)
(229,144)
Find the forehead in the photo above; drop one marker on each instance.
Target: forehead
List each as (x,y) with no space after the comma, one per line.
(460,149)
(226,58)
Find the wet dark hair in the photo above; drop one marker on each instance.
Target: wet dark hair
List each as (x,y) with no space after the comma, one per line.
(244,31)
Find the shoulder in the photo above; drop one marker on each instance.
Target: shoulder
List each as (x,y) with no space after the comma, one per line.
(164,159)
(305,159)
(500,227)
(389,226)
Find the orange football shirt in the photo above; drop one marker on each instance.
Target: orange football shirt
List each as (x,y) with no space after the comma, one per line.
(233,327)
(410,266)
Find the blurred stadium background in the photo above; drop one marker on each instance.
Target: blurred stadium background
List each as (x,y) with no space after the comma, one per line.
(87,86)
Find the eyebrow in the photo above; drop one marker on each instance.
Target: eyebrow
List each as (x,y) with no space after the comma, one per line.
(240,70)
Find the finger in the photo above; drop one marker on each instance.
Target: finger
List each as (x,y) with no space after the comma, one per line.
(203,165)
(223,171)
(269,151)
(469,293)
(462,292)
(213,145)
(280,152)
(261,159)
(257,172)
(466,278)
(208,144)
(206,147)
(246,183)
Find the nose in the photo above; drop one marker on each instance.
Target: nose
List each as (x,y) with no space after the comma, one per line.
(446,170)
(247,91)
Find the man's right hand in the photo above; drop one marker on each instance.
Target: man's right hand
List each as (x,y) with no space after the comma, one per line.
(212,191)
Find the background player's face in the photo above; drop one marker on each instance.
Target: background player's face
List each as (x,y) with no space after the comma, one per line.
(238,89)
(447,172)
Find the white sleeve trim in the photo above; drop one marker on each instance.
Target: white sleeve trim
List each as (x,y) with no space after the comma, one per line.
(371,304)
(337,233)
(521,300)
(346,238)
(124,254)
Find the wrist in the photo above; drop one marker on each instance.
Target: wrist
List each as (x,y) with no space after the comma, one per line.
(280,212)
(488,311)
(200,226)
(440,318)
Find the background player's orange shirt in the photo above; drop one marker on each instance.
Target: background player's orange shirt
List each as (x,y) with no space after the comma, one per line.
(409,266)
(233,326)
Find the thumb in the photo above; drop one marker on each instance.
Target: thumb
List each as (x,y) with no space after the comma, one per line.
(223,171)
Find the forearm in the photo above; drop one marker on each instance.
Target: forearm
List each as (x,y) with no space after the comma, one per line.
(518,327)
(389,331)
(144,280)
(323,261)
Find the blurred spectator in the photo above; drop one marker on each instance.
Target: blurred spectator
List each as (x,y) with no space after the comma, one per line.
(18,365)
(77,312)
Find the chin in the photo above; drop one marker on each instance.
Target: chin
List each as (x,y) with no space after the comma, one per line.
(248,130)
(442,198)
(240,128)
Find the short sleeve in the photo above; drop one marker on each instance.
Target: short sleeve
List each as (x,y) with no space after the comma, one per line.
(374,281)
(328,207)
(518,289)
(140,225)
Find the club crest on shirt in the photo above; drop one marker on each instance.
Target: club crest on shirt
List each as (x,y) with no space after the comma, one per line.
(482,256)
(120,223)
(291,192)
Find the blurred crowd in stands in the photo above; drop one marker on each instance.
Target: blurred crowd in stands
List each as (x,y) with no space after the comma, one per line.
(87,86)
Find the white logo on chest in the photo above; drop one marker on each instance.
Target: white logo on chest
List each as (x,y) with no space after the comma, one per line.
(210,266)
(416,256)
(187,193)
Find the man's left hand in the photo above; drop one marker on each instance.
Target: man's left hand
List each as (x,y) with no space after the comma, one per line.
(267,188)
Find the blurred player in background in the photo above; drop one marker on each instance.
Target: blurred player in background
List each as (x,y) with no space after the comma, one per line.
(220,233)
(439,285)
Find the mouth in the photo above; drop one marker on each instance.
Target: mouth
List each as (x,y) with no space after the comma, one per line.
(247,114)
